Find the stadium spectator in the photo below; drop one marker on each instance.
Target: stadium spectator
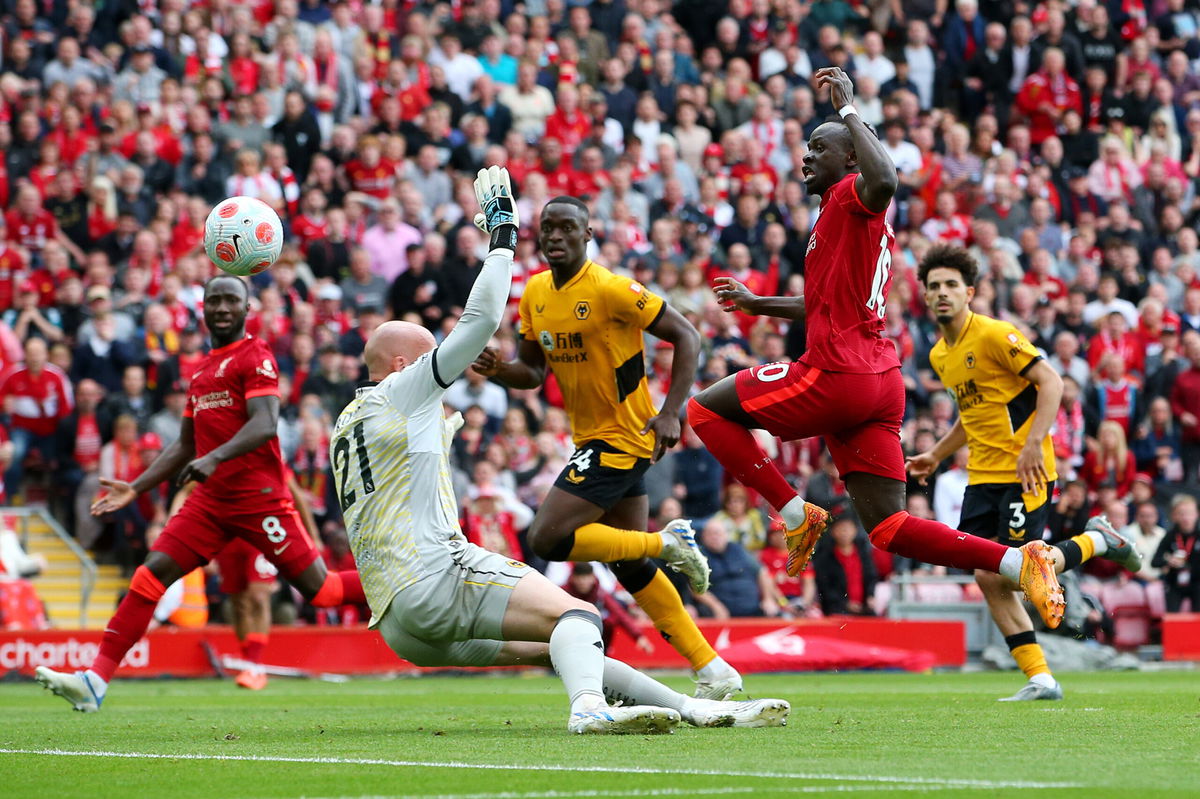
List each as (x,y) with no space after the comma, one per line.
(35,395)
(1178,557)
(739,585)
(845,571)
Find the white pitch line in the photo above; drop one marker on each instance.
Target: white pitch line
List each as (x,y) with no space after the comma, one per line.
(370,761)
(716,791)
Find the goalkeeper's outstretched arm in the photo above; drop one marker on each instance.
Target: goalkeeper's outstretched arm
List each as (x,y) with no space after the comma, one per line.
(489,296)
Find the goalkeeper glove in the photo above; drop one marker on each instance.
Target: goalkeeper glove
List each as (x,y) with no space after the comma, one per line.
(494,191)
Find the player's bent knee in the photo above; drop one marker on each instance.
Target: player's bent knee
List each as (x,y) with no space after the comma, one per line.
(585,612)
(146,584)
(634,574)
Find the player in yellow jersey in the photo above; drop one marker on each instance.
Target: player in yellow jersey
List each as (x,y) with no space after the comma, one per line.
(1007,398)
(585,324)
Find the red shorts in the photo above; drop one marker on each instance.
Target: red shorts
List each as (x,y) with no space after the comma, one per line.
(859,415)
(241,564)
(202,528)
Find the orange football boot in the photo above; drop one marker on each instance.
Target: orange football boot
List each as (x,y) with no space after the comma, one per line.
(1040,583)
(252,680)
(802,540)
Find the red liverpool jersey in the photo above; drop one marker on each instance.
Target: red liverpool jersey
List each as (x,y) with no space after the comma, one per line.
(224,381)
(847,274)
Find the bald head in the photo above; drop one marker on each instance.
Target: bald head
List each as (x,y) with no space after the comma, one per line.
(393,346)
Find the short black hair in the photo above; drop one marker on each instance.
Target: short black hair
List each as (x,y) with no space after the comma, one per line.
(947,256)
(564,199)
(235,278)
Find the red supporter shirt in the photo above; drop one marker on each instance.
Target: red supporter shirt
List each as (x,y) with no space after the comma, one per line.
(12,266)
(87,442)
(570,129)
(306,229)
(852,565)
(847,272)
(224,381)
(32,233)
(38,401)
(743,174)
(375,181)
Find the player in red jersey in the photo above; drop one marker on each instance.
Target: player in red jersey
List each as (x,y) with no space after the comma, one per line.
(227,444)
(847,385)
(249,579)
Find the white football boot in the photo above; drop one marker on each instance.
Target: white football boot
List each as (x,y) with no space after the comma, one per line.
(83,689)
(633,720)
(747,713)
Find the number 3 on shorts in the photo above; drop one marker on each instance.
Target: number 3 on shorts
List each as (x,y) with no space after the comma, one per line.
(1018,515)
(273,529)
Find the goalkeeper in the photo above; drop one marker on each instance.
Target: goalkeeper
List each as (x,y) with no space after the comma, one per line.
(439,600)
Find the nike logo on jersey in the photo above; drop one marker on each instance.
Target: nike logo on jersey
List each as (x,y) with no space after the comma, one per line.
(279,550)
(574,478)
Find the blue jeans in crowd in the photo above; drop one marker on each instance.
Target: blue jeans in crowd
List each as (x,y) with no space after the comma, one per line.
(23,441)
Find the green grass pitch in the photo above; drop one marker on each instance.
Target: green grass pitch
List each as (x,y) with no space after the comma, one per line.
(1116,735)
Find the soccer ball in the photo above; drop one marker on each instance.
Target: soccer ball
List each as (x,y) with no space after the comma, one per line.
(243,235)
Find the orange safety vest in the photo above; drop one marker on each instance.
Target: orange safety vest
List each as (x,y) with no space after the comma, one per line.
(193,612)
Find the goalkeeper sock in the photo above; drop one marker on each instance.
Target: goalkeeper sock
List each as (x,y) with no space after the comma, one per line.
(626,685)
(577,652)
(664,606)
(609,545)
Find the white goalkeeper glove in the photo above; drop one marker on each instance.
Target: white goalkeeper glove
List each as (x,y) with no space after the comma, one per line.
(493,189)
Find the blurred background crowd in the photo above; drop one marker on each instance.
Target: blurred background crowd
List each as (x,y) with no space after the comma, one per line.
(1059,141)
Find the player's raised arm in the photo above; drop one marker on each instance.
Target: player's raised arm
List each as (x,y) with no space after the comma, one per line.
(877,180)
(734,296)
(485,306)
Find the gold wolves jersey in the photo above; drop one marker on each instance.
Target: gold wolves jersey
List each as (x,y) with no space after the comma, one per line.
(984,371)
(590,332)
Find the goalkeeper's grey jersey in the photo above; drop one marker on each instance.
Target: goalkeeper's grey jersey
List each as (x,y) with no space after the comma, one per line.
(389,454)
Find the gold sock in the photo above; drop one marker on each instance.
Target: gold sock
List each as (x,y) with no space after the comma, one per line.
(663,605)
(1031,659)
(608,544)
(1087,547)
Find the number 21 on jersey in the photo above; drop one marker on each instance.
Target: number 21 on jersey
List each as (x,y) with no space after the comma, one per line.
(883,270)
(341,460)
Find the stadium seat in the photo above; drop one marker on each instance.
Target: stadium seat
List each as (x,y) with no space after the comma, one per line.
(1123,594)
(1131,626)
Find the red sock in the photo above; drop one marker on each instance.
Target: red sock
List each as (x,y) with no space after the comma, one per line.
(253,646)
(129,623)
(738,451)
(340,588)
(933,542)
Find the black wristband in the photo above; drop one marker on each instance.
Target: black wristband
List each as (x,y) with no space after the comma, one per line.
(504,237)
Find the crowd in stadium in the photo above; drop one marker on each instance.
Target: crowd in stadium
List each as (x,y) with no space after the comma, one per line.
(1059,142)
